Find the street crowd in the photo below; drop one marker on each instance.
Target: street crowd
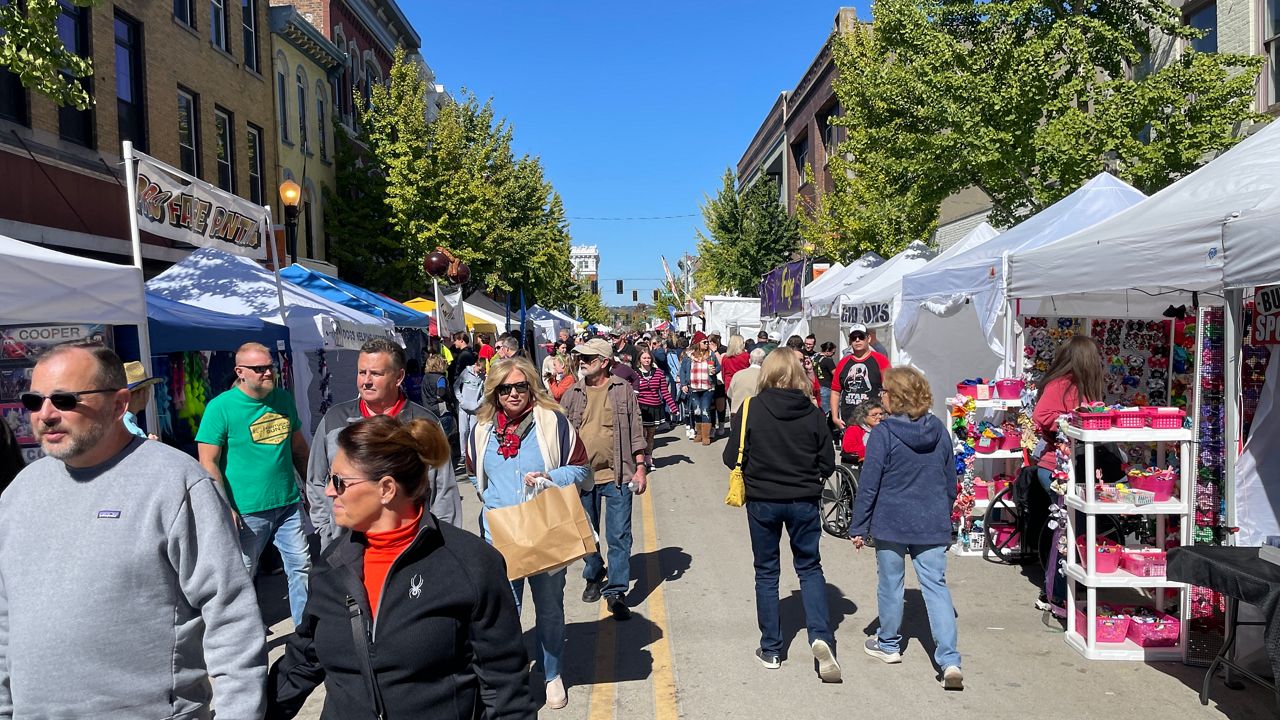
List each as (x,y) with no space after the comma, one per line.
(136,597)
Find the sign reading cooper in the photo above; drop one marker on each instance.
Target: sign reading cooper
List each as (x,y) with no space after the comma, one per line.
(868,314)
(197,213)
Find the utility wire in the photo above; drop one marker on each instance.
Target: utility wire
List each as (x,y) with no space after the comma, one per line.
(628,219)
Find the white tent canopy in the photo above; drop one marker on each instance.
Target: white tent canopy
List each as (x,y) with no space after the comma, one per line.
(977,277)
(845,277)
(39,285)
(1218,227)
(727,315)
(912,258)
(825,279)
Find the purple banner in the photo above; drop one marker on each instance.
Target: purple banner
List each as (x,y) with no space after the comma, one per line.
(780,289)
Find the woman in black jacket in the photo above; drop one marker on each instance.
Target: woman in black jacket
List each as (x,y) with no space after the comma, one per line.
(787,453)
(407,617)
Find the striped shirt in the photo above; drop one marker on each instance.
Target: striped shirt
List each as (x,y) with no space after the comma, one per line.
(653,390)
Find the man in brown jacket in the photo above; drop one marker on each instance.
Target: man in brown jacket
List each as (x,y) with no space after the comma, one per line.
(604,410)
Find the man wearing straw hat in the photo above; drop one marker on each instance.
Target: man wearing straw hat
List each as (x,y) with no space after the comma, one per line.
(139,396)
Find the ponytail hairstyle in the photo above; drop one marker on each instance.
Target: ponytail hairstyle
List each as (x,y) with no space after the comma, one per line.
(382,446)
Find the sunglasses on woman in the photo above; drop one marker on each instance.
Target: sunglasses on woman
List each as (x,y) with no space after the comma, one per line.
(521,388)
(340,484)
(63,401)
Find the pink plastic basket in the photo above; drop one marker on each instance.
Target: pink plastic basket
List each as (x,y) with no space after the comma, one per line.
(1156,629)
(1165,418)
(1162,484)
(1107,553)
(1009,389)
(966,390)
(1144,563)
(1093,420)
(999,483)
(1130,419)
(1108,629)
(1012,440)
(981,490)
(1006,536)
(986,445)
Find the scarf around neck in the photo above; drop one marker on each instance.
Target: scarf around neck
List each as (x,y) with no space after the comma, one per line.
(510,430)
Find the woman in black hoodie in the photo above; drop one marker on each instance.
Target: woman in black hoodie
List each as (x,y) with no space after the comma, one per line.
(787,452)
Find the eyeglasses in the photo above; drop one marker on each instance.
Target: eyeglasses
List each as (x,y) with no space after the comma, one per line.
(857,336)
(63,401)
(521,388)
(341,484)
(259,369)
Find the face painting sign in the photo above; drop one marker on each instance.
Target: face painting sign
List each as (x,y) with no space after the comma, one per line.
(197,213)
(781,289)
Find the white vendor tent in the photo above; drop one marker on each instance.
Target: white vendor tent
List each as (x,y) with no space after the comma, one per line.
(728,315)
(39,285)
(825,279)
(973,282)
(912,258)
(845,277)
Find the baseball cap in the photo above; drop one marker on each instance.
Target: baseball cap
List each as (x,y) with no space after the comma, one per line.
(594,346)
(858,327)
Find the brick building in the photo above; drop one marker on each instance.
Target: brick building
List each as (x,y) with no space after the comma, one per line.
(183,80)
(1246,27)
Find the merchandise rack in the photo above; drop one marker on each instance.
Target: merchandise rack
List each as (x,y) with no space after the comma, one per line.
(1083,499)
(979,509)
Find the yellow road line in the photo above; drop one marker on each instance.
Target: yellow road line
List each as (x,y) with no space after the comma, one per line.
(605,666)
(664,682)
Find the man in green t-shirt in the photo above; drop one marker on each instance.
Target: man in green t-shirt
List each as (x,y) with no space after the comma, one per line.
(250,441)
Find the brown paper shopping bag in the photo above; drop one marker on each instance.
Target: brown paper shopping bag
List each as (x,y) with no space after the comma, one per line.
(541,534)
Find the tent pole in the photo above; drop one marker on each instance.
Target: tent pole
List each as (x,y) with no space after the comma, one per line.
(1232,338)
(152,418)
(435,285)
(275,265)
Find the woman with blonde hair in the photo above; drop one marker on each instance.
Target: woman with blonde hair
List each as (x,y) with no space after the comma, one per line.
(905,494)
(521,438)
(735,358)
(449,649)
(786,454)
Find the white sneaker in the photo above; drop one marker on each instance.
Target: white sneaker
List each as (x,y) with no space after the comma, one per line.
(952,678)
(557,697)
(828,667)
(688,432)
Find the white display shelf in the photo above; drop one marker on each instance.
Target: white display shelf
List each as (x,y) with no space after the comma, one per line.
(1118,579)
(1126,436)
(999,403)
(1127,650)
(999,455)
(1168,507)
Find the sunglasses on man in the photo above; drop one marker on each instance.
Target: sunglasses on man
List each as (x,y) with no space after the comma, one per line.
(259,369)
(857,336)
(63,401)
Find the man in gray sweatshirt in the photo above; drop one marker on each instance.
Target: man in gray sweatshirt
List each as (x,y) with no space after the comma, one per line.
(122,590)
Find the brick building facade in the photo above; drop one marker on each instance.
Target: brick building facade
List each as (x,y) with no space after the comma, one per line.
(184,80)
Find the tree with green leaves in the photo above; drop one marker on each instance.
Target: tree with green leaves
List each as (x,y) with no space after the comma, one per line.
(1024,99)
(31,49)
(357,217)
(453,183)
(747,236)
(588,306)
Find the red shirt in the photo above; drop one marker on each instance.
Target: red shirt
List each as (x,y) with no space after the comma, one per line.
(854,441)
(383,549)
(1059,397)
(730,364)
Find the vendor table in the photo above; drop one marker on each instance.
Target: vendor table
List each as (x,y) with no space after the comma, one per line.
(1240,575)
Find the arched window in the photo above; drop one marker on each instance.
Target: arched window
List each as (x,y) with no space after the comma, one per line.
(300,79)
(282,95)
(322,120)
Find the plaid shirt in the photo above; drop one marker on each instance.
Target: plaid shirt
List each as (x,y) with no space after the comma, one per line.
(700,375)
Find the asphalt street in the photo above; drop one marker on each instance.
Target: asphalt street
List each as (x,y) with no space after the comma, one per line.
(687,651)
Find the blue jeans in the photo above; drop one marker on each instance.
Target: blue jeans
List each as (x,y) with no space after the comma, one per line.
(765,521)
(548,605)
(617,535)
(282,526)
(931,570)
(700,406)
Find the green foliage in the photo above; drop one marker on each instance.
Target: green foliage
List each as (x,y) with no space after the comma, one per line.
(588,305)
(1025,99)
(455,183)
(31,49)
(358,220)
(747,235)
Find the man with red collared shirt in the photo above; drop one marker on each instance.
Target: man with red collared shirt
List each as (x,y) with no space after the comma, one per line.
(858,378)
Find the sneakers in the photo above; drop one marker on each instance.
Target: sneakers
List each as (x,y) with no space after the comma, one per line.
(557,697)
(828,667)
(689,433)
(1042,602)
(872,648)
(619,608)
(591,593)
(651,467)
(771,661)
(952,678)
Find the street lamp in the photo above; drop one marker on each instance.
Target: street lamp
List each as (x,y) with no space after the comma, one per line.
(290,195)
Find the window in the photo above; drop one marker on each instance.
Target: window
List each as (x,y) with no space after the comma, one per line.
(826,129)
(321,126)
(800,151)
(224,130)
(282,101)
(308,230)
(73,29)
(13,98)
(1271,31)
(130,88)
(301,82)
(249,19)
(1204,17)
(255,164)
(184,11)
(218,25)
(188,132)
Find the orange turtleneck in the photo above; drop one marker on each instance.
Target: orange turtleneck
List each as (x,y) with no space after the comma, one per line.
(383,549)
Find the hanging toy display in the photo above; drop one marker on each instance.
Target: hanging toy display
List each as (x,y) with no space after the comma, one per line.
(326,395)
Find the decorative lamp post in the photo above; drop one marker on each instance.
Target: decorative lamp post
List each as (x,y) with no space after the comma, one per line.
(290,196)
(441,263)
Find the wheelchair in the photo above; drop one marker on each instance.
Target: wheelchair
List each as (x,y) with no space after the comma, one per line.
(838,493)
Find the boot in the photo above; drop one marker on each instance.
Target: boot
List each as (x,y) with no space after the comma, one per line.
(704,431)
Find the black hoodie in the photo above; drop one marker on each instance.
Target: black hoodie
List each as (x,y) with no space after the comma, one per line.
(789,450)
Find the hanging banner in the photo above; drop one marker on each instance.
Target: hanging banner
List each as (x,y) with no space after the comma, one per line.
(866,314)
(452,318)
(173,205)
(781,290)
(342,334)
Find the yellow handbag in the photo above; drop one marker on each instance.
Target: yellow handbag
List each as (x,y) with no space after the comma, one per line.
(737,484)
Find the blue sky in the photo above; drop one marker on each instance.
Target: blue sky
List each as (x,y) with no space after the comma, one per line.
(636,109)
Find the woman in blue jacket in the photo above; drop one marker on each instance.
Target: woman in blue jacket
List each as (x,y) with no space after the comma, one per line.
(905,495)
(522,437)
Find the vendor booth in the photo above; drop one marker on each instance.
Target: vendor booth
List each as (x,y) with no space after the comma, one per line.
(354,296)
(728,315)
(477,320)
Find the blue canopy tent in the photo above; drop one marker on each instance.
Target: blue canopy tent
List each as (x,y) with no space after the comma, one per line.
(355,297)
(179,327)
